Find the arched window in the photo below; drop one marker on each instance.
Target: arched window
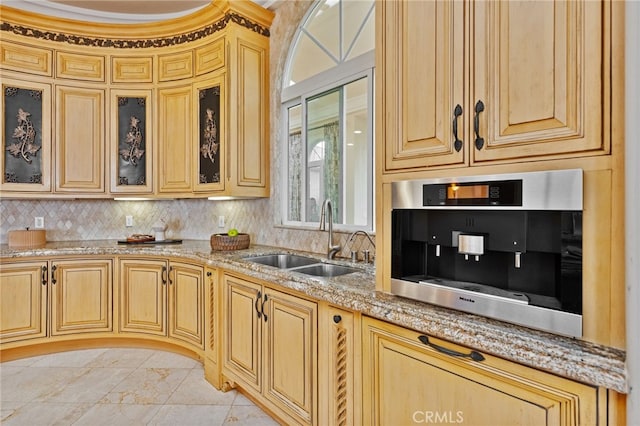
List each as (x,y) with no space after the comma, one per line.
(327,99)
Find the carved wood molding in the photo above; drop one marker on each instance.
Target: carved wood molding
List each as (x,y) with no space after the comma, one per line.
(174,40)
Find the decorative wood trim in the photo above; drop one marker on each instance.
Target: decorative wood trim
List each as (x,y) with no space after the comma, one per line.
(95,41)
(23,58)
(132,69)
(79,67)
(175,66)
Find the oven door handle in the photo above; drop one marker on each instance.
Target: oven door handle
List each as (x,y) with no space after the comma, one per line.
(476,356)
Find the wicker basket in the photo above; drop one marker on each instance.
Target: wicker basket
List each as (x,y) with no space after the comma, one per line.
(225,242)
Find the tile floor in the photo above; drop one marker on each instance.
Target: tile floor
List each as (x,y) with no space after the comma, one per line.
(117,387)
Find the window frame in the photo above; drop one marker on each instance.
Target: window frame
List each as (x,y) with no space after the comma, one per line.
(298,94)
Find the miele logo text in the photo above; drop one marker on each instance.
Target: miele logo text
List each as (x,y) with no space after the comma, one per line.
(466,299)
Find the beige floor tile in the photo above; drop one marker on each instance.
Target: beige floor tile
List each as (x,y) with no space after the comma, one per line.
(91,386)
(195,390)
(74,359)
(169,360)
(46,413)
(118,415)
(191,415)
(122,358)
(248,415)
(118,387)
(147,386)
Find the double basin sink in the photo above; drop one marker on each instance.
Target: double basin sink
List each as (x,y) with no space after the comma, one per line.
(302,264)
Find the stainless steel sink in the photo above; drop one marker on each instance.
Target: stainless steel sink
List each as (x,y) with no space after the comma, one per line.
(283,261)
(326,270)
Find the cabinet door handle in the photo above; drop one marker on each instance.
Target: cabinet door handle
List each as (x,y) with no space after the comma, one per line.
(476,125)
(256,304)
(170,271)
(44,275)
(164,275)
(476,356)
(53,274)
(337,319)
(209,273)
(262,308)
(457,143)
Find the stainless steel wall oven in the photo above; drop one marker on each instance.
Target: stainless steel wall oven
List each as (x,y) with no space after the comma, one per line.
(503,246)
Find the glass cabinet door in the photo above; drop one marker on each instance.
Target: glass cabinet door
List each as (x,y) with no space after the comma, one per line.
(131,142)
(211,162)
(26,136)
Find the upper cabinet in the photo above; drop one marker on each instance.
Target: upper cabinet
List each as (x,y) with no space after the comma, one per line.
(174,109)
(469,83)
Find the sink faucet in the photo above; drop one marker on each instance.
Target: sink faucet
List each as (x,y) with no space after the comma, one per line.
(331,248)
(354,254)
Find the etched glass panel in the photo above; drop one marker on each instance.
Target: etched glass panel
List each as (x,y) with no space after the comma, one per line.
(22,135)
(132,164)
(209,119)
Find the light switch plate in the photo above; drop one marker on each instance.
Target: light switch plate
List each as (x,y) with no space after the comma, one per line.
(39,222)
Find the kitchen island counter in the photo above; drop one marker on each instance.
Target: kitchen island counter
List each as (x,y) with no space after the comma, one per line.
(567,357)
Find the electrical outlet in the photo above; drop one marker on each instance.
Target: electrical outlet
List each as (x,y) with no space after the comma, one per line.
(220,221)
(39,222)
(129,221)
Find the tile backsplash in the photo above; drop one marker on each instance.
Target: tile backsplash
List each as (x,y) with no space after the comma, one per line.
(67,220)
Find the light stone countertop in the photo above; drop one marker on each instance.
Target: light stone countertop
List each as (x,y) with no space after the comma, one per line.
(568,357)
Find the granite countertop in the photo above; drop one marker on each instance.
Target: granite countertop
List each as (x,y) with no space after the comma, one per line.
(568,357)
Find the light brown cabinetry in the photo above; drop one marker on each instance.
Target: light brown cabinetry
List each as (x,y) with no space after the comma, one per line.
(213,339)
(26,161)
(411,378)
(81,296)
(73,296)
(23,301)
(339,367)
(163,298)
(175,143)
(228,42)
(270,347)
(248,134)
(80,140)
(535,82)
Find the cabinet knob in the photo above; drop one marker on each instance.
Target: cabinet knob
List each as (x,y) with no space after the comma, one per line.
(337,318)
(209,273)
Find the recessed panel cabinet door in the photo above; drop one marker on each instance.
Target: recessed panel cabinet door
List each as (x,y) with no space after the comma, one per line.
(186,304)
(406,382)
(174,140)
(81,292)
(291,354)
(79,145)
(23,296)
(243,330)
(537,72)
(420,82)
(143,296)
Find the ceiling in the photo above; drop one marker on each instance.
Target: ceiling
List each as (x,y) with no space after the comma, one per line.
(116,11)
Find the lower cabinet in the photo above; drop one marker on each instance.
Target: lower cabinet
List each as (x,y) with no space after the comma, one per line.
(270,347)
(409,378)
(55,297)
(163,298)
(23,301)
(339,368)
(81,294)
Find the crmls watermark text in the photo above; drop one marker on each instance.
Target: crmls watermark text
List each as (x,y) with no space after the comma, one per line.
(438,417)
